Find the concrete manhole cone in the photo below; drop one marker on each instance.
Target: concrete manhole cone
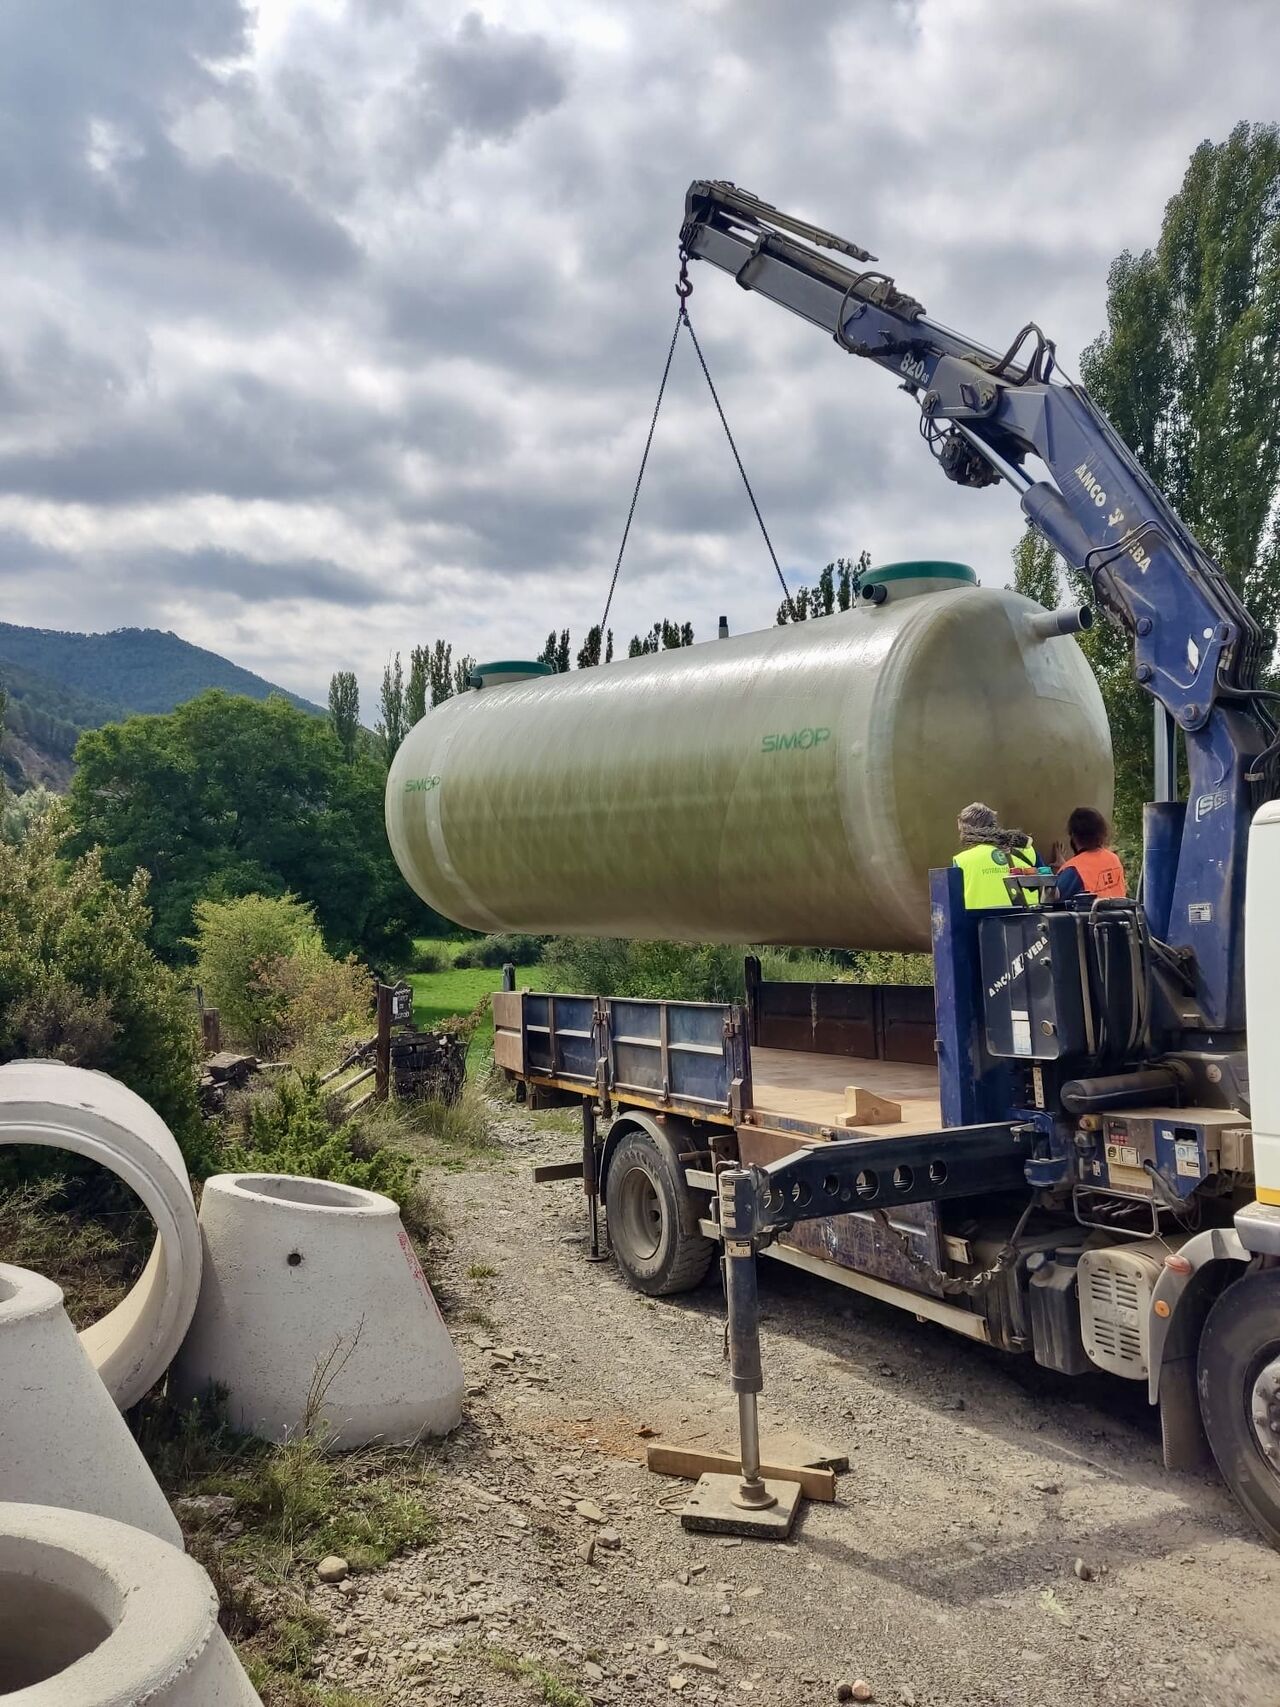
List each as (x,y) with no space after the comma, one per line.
(94,1613)
(93,1115)
(314,1313)
(62,1440)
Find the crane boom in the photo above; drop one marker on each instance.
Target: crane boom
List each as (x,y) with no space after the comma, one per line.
(1196,649)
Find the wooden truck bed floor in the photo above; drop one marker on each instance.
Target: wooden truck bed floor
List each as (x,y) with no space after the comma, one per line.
(806,1086)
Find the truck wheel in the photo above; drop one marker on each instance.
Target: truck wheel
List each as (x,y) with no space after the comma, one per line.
(1239,1382)
(653,1217)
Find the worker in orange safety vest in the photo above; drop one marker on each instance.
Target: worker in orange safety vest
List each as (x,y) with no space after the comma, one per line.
(1093,868)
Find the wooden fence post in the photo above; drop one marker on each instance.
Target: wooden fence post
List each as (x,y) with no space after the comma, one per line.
(382,1057)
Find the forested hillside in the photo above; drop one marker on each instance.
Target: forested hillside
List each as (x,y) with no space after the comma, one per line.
(134,669)
(43,720)
(58,685)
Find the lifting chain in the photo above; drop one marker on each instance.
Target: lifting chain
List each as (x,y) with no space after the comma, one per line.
(952,1285)
(684,290)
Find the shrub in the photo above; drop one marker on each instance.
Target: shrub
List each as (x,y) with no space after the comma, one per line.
(325,1004)
(261,961)
(844,966)
(679,971)
(712,972)
(79,984)
(490,951)
(428,957)
(21,811)
(295,1129)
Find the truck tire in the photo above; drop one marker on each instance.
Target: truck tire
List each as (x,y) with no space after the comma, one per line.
(653,1217)
(1239,1381)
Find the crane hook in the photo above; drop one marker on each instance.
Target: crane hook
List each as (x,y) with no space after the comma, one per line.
(684,284)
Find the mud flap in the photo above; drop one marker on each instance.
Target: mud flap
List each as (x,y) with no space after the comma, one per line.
(1184,1444)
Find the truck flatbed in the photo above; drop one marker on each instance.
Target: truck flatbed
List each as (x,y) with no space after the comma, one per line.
(800,1084)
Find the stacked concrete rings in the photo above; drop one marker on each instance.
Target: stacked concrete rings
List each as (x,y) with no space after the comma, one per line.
(94,1613)
(315,1314)
(89,1114)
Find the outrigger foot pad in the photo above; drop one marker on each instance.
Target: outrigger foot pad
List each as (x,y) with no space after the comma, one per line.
(715,1506)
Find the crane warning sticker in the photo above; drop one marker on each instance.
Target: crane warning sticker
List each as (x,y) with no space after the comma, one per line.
(1187,1153)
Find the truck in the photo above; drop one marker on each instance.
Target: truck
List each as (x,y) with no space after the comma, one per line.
(1067,1146)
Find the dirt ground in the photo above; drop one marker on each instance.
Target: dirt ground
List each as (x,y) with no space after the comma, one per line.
(945,1573)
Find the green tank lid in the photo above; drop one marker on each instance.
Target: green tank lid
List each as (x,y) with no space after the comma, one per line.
(503,671)
(922,570)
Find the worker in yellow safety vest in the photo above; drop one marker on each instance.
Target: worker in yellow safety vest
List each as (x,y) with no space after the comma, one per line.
(989,855)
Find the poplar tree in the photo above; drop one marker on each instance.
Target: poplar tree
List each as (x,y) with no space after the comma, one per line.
(344,711)
(1188,371)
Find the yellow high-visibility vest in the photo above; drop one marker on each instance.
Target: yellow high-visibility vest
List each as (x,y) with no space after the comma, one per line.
(985,868)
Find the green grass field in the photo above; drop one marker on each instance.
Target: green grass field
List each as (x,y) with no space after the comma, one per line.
(459,990)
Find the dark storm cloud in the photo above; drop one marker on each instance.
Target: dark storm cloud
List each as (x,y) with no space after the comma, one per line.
(86,96)
(484,82)
(211,572)
(20,554)
(238,436)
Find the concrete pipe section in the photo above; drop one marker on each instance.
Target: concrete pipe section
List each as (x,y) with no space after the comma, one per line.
(96,1614)
(89,1114)
(62,1441)
(314,1312)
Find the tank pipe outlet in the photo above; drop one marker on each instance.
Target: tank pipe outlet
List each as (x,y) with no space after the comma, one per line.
(1049,624)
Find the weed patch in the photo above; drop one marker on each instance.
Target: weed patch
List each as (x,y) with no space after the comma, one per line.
(296,1503)
(93,1251)
(545,1685)
(450,1135)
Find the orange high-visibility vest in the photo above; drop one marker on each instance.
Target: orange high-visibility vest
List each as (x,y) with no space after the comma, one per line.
(1100,871)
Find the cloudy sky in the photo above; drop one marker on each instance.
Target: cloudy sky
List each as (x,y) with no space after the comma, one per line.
(331,326)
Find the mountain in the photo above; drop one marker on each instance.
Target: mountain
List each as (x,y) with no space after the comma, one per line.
(61,684)
(138,669)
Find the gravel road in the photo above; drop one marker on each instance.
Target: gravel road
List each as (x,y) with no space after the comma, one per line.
(1003,1536)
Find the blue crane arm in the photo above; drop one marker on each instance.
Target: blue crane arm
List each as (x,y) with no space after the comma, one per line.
(1196,649)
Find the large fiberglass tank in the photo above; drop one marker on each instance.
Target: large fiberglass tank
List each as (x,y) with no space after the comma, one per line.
(792,786)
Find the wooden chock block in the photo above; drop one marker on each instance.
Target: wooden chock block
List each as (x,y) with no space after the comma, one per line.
(863,1108)
(815,1482)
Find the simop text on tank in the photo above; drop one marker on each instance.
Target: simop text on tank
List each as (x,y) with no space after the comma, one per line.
(800,740)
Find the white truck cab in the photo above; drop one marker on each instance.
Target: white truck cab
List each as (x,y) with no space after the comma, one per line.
(1262,988)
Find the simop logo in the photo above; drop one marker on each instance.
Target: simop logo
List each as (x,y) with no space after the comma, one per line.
(796,740)
(421,784)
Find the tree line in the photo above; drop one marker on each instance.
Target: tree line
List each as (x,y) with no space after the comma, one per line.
(435,676)
(1188,371)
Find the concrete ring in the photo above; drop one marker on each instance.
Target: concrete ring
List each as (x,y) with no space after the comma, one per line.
(92,1115)
(95,1613)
